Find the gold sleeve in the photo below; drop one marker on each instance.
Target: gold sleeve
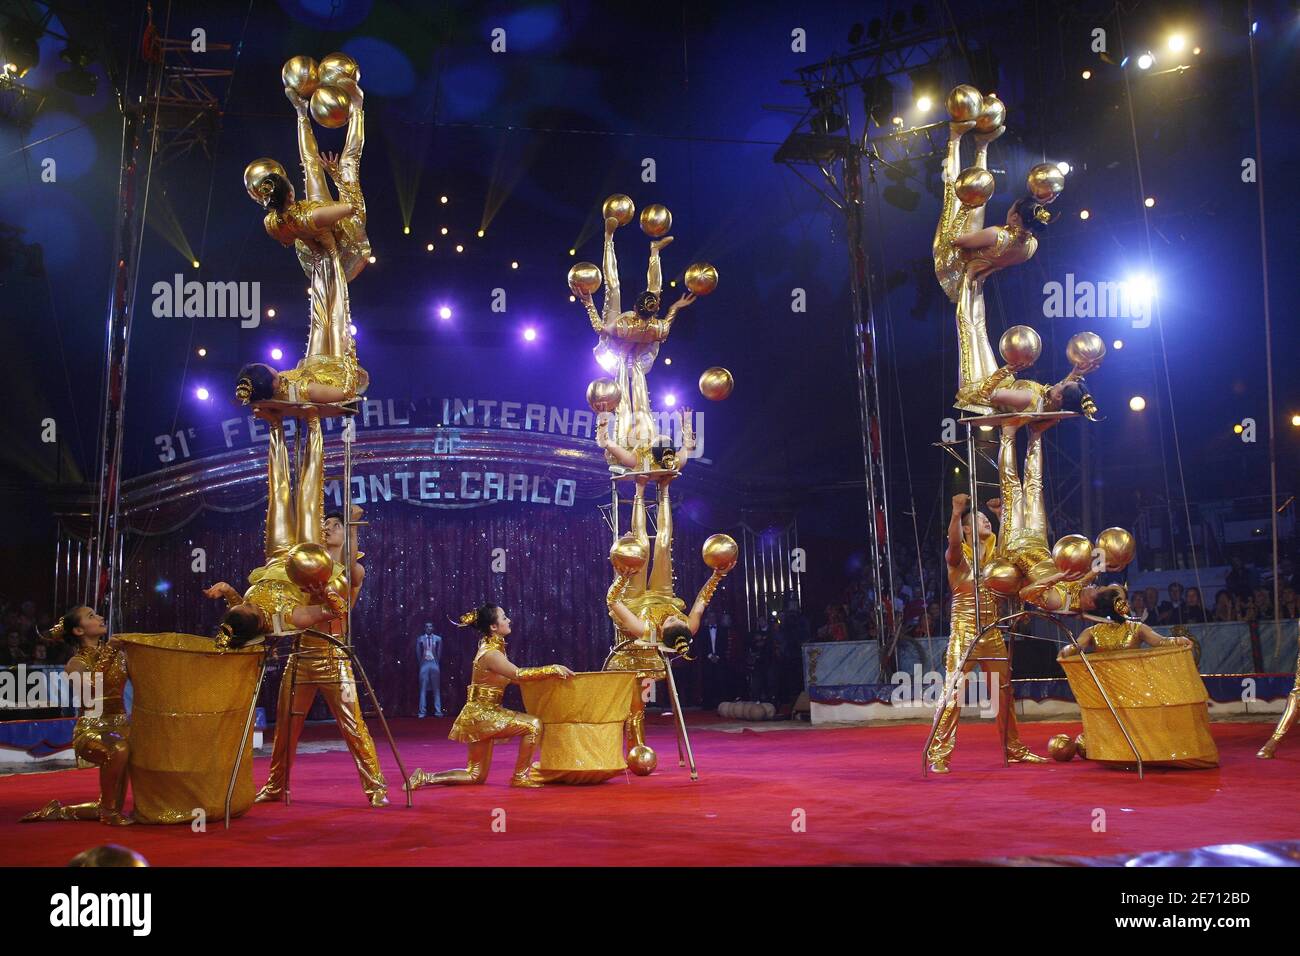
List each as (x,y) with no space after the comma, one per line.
(615,593)
(597,324)
(526,674)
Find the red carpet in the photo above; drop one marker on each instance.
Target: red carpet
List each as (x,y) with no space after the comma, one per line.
(861,790)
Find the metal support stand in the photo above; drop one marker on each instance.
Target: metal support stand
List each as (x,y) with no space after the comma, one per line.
(683,738)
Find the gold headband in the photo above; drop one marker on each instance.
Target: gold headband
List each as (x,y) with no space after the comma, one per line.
(468,618)
(1089,407)
(225,634)
(244,390)
(1042,215)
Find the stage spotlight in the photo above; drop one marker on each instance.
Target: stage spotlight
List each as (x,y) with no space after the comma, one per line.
(1237,429)
(1117,344)
(22,51)
(202,352)
(352,328)
(444,312)
(443,200)
(460,248)
(270,313)
(672,283)
(1295,421)
(670,399)
(1196,51)
(1141,289)
(1146,61)
(898,22)
(1149,201)
(1084,214)
(530,334)
(277,354)
(1177,42)
(923,103)
(855,34)
(900,197)
(481,233)
(443,230)
(668,361)
(827,120)
(1064,167)
(877,98)
(194,263)
(1137,403)
(514,265)
(573,298)
(898,121)
(202,394)
(1087,74)
(573,252)
(874,28)
(1254,27)
(919,14)
(428,247)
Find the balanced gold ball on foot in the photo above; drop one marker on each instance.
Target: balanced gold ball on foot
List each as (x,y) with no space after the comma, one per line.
(1073,554)
(619,207)
(720,552)
(1085,348)
(1020,346)
(965,103)
(656,220)
(1045,182)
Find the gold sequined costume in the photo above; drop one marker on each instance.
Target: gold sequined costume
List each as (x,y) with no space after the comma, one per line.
(962,272)
(990,653)
(483,721)
(102,740)
(1289,716)
(330,258)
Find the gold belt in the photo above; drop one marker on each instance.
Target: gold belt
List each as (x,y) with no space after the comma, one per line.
(485,694)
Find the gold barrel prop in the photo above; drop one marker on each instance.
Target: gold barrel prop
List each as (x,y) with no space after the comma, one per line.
(190,706)
(1160,697)
(582,724)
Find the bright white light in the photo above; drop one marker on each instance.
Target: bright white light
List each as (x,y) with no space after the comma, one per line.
(372,259)
(270,313)
(1177,42)
(444,312)
(1117,344)
(277,354)
(1141,289)
(1149,201)
(923,103)
(352,329)
(670,399)
(1137,403)
(898,121)
(1084,214)
(201,394)
(1064,167)
(202,352)
(607,360)
(668,361)
(530,334)
(1145,61)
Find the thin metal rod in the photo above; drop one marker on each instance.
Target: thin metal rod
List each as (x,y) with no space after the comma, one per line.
(383,721)
(684,738)
(248,729)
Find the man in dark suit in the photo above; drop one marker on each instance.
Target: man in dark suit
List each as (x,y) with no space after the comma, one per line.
(712,641)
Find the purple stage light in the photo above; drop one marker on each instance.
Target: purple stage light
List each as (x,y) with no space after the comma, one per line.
(607,360)
(530,334)
(670,399)
(444,312)
(201,394)
(277,354)
(352,328)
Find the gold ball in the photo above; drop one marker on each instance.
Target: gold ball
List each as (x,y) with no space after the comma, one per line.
(620,207)
(1020,345)
(584,278)
(720,552)
(331,106)
(974,186)
(1079,745)
(603,395)
(965,103)
(716,383)
(258,170)
(1045,182)
(300,74)
(1118,546)
(993,114)
(336,66)
(628,554)
(656,220)
(701,278)
(1084,348)
(1002,578)
(1062,747)
(1073,554)
(309,566)
(641,760)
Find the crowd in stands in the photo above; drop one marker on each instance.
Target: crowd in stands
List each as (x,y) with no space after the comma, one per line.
(24,642)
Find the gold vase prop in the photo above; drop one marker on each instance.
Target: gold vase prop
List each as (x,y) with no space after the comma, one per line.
(583,718)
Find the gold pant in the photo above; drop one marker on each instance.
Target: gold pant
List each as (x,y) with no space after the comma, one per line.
(529,731)
(994,660)
(333,679)
(102,741)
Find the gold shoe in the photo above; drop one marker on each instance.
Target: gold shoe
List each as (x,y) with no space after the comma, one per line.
(379,798)
(526,779)
(1022,754)
(114,819)
(44,813)
(416,780)
(939,765)
(1266,752)
(268,796)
